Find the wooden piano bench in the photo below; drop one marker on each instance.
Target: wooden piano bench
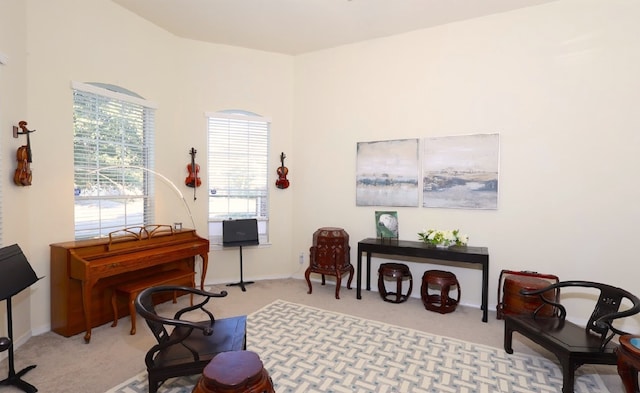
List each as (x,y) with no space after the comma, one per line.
(132,288)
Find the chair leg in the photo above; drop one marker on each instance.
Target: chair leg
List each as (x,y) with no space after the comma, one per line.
(351,271)
(307,273)
(114,305)
(568,378)
(153,385)
(508,338)
(132,313)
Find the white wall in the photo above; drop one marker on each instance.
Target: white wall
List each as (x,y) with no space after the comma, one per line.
(559,82)
(101,42)
(13,108)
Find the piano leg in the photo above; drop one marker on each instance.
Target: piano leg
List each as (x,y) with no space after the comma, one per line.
(205,264)
(87,287)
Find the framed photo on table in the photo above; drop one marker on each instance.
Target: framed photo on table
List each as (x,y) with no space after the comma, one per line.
(387,224)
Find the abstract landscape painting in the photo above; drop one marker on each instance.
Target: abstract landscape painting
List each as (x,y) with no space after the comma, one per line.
(387,173)
(461,171)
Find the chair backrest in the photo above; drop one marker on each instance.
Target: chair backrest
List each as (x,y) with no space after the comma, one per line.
(146,308)
(606,310)
(607,307)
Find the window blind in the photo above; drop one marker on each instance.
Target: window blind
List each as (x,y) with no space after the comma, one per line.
(113,140)
(238,147)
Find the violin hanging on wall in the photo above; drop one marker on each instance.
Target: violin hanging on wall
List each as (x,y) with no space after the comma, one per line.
(282,172)
(23,175)
(193,180)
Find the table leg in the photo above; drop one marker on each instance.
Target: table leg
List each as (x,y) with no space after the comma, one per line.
(485,291)
(368,271)
(358,275)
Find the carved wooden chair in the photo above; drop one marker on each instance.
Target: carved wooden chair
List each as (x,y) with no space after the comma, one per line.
(574,345)
(187,347)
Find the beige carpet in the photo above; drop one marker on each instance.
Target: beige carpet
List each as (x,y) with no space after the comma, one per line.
(67,365)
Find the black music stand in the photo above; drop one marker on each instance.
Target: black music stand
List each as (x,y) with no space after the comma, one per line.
(239,233)
(15,275)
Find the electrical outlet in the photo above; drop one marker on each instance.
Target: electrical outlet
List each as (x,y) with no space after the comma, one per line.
(301,259)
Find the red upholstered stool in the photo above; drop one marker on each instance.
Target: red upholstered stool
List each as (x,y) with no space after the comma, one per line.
(441,303)
(515,303)
(398,272)
(235,372)
(629,361)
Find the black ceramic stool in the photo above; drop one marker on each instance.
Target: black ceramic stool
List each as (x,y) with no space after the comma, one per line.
(399,272)
(441,303)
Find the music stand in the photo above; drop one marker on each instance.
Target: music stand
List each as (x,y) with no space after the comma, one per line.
(15,275)
(238,233)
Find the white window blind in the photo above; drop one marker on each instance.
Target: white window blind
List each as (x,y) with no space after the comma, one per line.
(113,148)
(238,144)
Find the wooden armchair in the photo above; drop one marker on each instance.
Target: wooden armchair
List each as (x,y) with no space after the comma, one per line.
(574,345)
(189,346)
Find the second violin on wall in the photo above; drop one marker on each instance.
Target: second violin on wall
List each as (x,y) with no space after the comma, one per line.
(282,171)
(193,180)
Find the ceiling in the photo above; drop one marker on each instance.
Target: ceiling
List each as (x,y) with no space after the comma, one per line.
(300,26)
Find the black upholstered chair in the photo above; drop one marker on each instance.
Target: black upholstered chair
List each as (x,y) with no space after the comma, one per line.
(185,347)
(574,345)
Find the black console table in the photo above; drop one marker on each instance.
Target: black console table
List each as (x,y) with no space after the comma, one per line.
(476,255)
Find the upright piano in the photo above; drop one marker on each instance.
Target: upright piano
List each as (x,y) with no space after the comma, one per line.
(84,272)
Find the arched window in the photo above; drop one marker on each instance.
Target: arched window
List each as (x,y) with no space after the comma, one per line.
(112,148)
(238,144)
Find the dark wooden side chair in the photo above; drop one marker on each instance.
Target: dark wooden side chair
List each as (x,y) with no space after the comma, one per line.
(185,347)
(573,345)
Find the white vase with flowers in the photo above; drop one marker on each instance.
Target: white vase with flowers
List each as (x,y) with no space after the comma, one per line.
(443,238)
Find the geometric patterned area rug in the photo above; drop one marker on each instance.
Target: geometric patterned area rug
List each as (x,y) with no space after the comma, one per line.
(309,350)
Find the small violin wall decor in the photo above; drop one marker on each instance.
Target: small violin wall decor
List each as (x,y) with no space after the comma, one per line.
(23,175)
(282,171)
(193,180)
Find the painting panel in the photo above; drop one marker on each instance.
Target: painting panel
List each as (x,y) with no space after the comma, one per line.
(387,224)
(461,171)
(387,173)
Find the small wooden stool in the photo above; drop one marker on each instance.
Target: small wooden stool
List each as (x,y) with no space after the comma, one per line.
(235,372)
(629,361)
(399,272)
(132,288)
(441,303)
